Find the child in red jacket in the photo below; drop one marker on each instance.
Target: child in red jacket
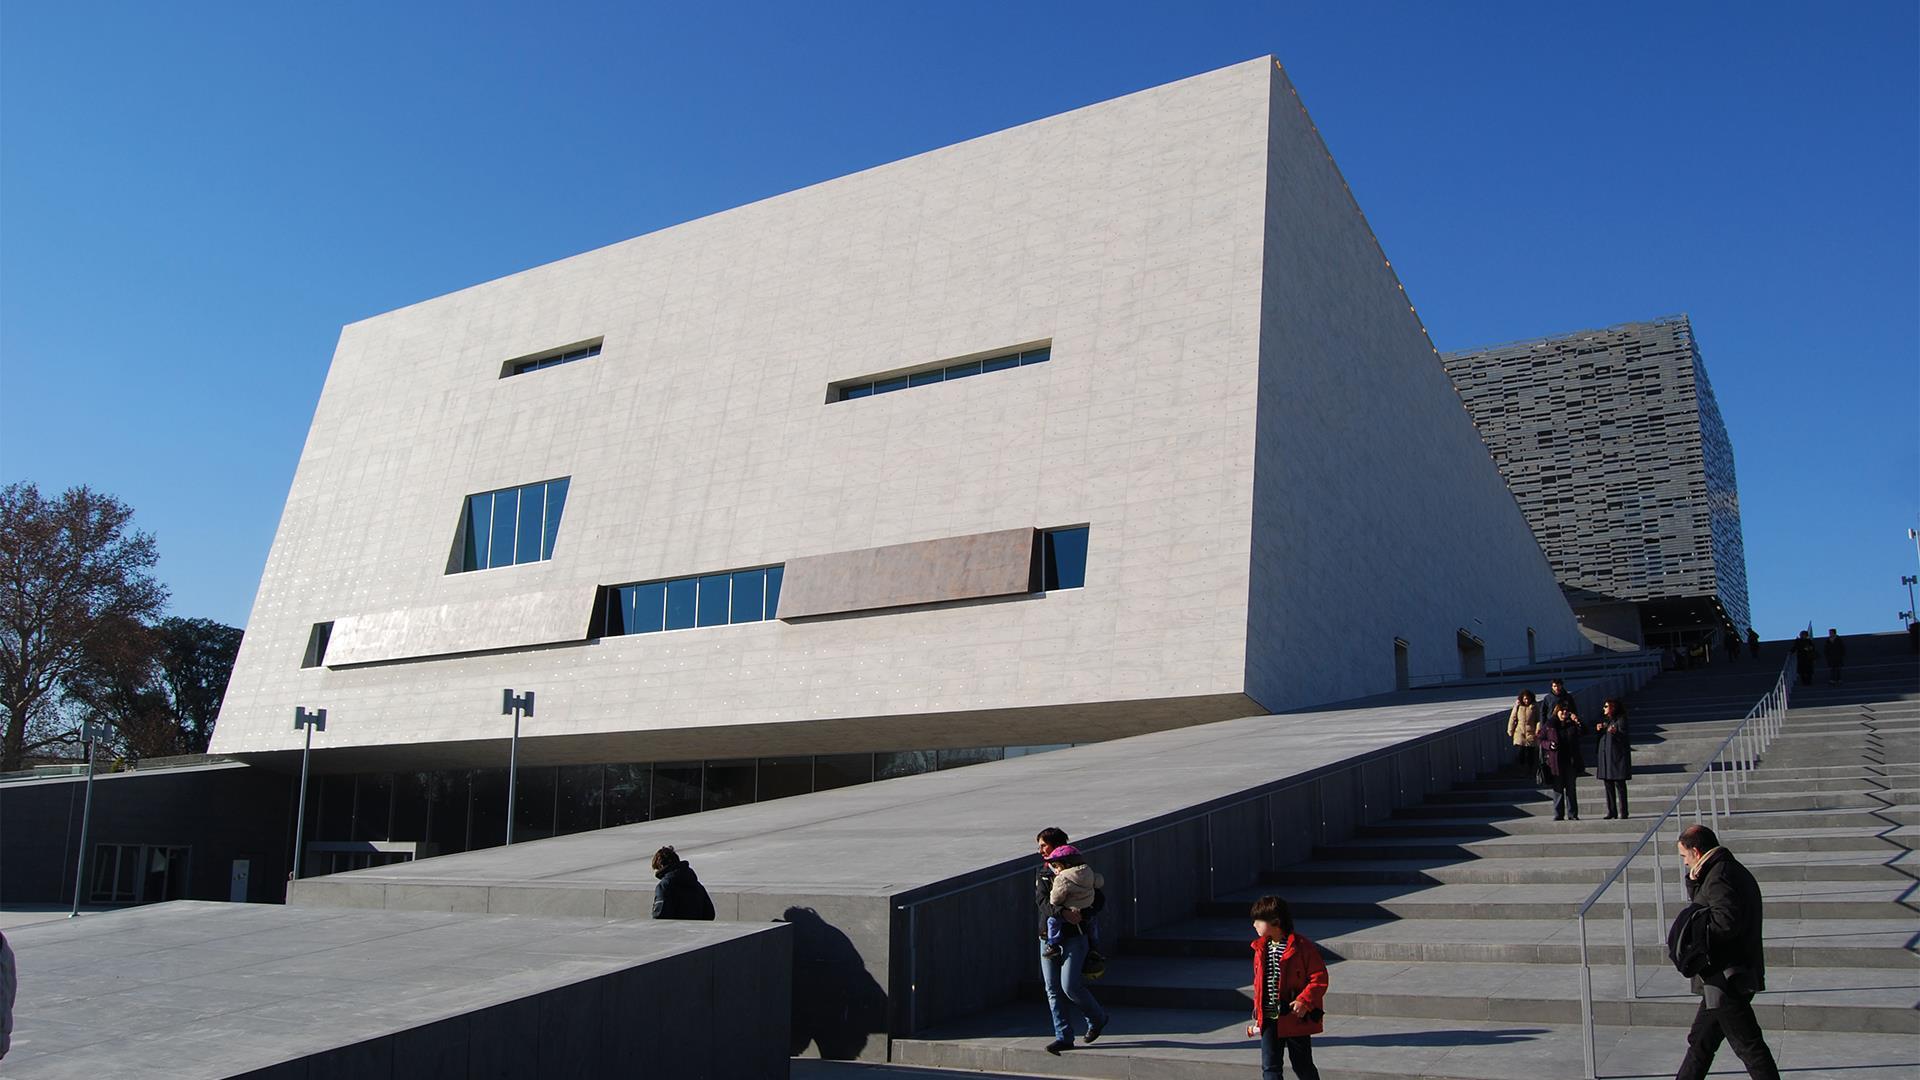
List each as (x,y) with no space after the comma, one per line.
(1289,984)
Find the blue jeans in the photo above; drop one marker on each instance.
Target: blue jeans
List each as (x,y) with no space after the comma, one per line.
(1298,1049)
(1066,990)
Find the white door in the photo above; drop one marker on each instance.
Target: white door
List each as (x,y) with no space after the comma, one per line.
(238,894)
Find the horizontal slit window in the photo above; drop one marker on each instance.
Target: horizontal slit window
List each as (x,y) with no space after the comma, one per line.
(945,372)
(551,358)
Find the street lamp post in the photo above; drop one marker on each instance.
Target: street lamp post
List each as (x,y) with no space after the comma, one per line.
(311,721)
(89,735)
(515,707)
(1910,581)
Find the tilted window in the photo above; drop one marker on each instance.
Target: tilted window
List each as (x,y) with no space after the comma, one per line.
(510,526)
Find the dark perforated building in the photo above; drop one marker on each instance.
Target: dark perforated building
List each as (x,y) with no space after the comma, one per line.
(1614,446)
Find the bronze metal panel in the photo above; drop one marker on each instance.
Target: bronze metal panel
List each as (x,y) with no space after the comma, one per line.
(898,575)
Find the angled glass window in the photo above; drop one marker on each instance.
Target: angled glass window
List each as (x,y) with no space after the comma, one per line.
(922,378)
(556,502)
(643,609)
(774,576)
(961,371)
(705,600)
(749,596)
(506,515)
(713,599)
(999,363)
(479,529)
(888,386)
(533,524)
(680,602)
(512,525)
(1065,558)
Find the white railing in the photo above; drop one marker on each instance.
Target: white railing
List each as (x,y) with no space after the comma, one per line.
(1725,774)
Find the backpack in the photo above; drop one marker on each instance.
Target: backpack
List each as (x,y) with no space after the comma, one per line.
(1687,941)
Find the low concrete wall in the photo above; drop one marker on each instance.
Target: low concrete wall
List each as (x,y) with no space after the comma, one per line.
(282,993)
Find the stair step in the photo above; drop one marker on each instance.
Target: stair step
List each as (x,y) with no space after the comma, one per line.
(1194,1044)
(1821,999)
(1902,867)
(1486,845)
(1874,943)
(1906,814)
(1784,900)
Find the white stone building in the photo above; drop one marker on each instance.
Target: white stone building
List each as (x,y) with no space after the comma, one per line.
(1187,341)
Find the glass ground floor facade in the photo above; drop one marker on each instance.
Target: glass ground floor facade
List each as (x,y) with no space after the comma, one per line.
(356,820)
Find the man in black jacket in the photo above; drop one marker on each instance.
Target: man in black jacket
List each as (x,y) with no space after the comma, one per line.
(678,894)
(1737,964)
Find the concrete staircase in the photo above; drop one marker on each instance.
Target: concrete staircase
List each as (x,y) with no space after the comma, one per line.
(1451,933)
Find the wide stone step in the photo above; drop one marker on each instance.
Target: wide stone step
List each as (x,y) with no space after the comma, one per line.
(1194,1044)
(1593,803)
(1784,899)
(1871,943)
(1901,866)
(1541,803)
(1761,784)
(1880,1000)
(1877,838)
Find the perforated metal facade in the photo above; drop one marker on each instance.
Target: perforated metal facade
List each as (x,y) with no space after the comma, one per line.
(1613,444)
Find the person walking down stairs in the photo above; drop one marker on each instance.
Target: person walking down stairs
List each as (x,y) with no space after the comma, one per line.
(1289,989)
(1736,967)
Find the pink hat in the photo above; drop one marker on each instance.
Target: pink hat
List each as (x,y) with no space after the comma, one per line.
(1062,852)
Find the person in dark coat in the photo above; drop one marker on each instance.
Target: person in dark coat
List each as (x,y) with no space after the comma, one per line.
(1615,766)
(679,894)
(1731,641)
(1553,739)
(1573,755)
(1804,654)
(1753,643)
(1836,654)
(1736,959)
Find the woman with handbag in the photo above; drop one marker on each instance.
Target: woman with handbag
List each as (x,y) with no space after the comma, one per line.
(1558,739)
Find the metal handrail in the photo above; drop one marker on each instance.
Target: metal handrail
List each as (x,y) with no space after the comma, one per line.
(1741,750)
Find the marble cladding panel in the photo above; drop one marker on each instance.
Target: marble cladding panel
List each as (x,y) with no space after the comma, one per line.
(923,572)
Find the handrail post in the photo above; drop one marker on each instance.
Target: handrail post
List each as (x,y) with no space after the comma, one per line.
(1586,1005)
(1626,910)
(1659,884)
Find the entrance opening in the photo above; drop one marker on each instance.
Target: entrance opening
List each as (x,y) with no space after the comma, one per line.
(1473,656)
(1401,677)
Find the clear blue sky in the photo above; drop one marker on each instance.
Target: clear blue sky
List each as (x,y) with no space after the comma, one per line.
(194,198)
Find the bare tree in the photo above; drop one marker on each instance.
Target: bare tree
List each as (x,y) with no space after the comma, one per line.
(71,569)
